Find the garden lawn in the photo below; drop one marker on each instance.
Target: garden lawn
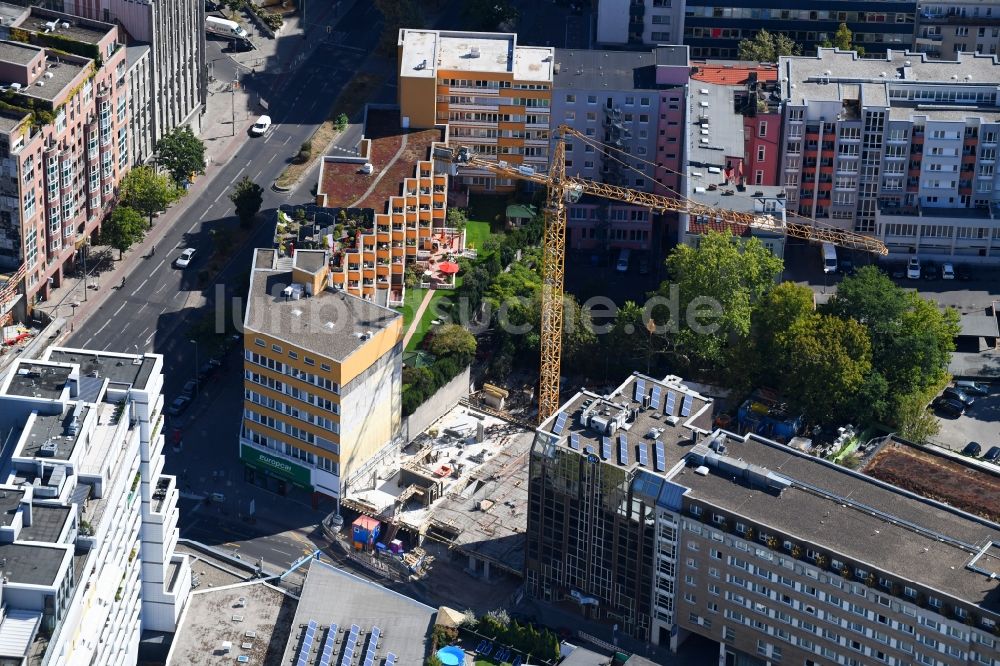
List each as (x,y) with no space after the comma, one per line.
(411,301)
(490,209)
(476,233)
(429,315)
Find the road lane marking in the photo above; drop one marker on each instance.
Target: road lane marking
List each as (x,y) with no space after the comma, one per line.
(144,331)
(234,178)
(248,163)
(137,289)
(120,307)
(162,287)
(273,155)
(257,177)
(205,214)
(218,197)
(100,329)
(162,261)
(287,139)
(125,327)
(150,337)
(193,226)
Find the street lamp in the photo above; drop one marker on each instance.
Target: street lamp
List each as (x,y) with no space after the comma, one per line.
(196,366)
(232,101)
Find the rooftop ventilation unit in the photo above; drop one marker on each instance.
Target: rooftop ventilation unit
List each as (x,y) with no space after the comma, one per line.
(51,25)
(65,25)
(474,52)
(48,450)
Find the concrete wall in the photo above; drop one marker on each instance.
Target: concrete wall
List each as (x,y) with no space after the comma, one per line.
(435,407)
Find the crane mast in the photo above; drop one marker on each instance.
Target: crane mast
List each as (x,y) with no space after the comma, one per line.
(562,189)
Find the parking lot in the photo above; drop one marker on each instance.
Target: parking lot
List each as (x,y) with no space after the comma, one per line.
(980,423)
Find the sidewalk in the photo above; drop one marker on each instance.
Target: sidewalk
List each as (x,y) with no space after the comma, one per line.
(221,143)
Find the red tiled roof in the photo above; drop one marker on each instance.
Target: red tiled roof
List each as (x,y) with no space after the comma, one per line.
(344,184)
(733,75)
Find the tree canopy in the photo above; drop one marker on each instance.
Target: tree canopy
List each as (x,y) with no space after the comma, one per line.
(247,197)
(453,340)
(123,229)
(843,39)
(147,191)
(768,47)
(722,272)
(181,153)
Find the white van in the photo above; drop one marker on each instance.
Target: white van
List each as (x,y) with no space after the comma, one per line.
(623,257)
(224,28)
(829,258)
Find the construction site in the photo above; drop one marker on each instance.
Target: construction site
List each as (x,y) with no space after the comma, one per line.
(460,489)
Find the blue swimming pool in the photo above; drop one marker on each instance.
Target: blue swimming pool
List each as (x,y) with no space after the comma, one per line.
(451,655)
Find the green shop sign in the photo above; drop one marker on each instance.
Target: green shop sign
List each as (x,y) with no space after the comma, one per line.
(279,467)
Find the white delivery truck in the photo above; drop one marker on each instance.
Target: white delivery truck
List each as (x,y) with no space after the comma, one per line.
(224,28)
(829,258)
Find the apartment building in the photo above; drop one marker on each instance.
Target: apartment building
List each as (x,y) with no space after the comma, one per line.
(777,555)
(731,149)
(494,94)
(323,376)
(175,34)
(407,225)
(63,140)
(137,79)
(631,104)
(88,535)
(902,147)
(640,22)
(945,29)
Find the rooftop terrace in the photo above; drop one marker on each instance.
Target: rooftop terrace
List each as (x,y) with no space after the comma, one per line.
(45,21)
(425,52)
(393,152)
(53,435)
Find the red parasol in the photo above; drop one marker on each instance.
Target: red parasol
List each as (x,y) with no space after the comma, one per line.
(448,267)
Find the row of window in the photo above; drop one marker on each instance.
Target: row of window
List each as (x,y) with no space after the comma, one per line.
(294,412)
(278,366)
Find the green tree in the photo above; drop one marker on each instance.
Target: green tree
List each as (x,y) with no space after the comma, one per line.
(761,360)
(341,122)
(912,338)
(724,273)
(843,39)
(767,47)
(457,219)
(397,14)
(181,153)
(411,278)
(247,197)
(831,358)
(913,420)
(147,191)
(453,340)
(489,15)
(123,229)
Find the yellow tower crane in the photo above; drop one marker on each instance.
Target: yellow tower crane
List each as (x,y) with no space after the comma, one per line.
(563,189)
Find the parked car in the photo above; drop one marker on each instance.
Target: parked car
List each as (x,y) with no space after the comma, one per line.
(643,265)
(206,370)
(897,271)
(261,126)
(953,393)
(178,405)
(972,449)
(947,271)
(964,273)
(913,268)
(847,267)
(184,260)
(948,407)
(993,455)
(930,271)
(972,388)
(190,386)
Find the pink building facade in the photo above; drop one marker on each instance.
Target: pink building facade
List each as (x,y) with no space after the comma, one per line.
(63,141)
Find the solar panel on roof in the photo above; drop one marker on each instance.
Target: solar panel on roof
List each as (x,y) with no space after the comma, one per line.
(390,659)
(640,389)
(671,403)
(352,641)
(654,400)
(372,646)
(686,407)
(605,447)
(643,455)
(560,423)
(574,442)
(623,449)
(660,457)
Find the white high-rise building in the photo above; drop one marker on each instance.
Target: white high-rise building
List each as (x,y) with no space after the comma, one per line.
(88,522)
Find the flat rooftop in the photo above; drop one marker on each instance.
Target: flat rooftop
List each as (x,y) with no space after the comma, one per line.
(18,53)
(346,187)
(71,27)
(31,379)
(645,410)
(979,325)
(853,515)
(131,370)
(593,69)
(10,500)
(330,323)
(47,523)
(63,70)
(53,430)
(331,596)
(425,52)
(482,512)
(254,613)
(32,564)
(874,77)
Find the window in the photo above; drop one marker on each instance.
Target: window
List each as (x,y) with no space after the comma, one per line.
(292,355)
(276,348)
(258,342)
(310,361)
(762,128)
(570,99)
